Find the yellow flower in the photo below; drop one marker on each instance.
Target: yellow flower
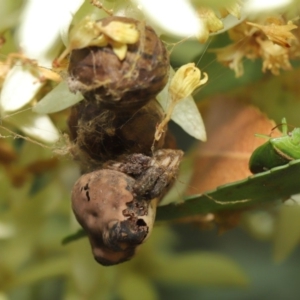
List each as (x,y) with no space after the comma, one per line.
(270,42)
(86,33)
(185,81)
(275,57)
(232,56)
(232,9)
(92,33)
(211,23)
(120,32)
(277,32)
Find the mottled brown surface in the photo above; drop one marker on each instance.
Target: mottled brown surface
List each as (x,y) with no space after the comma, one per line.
(116,206)
(98,201)
(154,175)
(128,84)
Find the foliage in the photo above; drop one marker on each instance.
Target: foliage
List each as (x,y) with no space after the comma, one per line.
(35,200)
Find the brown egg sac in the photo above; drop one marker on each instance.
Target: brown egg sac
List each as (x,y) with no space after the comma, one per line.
(117,210)
(130,83)
(125,171)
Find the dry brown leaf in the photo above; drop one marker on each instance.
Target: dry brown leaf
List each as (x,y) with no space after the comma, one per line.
(17,175)
(42,165)
(7,153)
(224,158)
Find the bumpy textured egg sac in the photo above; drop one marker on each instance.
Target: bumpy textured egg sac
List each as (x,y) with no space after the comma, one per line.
(116,222)
(100,134)
(128,84)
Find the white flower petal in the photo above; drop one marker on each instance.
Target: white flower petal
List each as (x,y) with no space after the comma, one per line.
(65,20)
(128,9)
(163,96)
(38,37)
(36,126)
(178,17)
(58,99)
(185,114)
(42,23)
(38,34)
(264,6)
(19,88)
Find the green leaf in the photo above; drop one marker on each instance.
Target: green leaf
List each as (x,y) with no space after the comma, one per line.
(277,183)
(49,104)
(80,233)
(91,280)
(206,269)
(133,286)
(270,186)
(3,296)
(41,270)
(287,233)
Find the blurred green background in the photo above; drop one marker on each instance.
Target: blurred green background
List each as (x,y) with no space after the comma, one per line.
(180,261)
